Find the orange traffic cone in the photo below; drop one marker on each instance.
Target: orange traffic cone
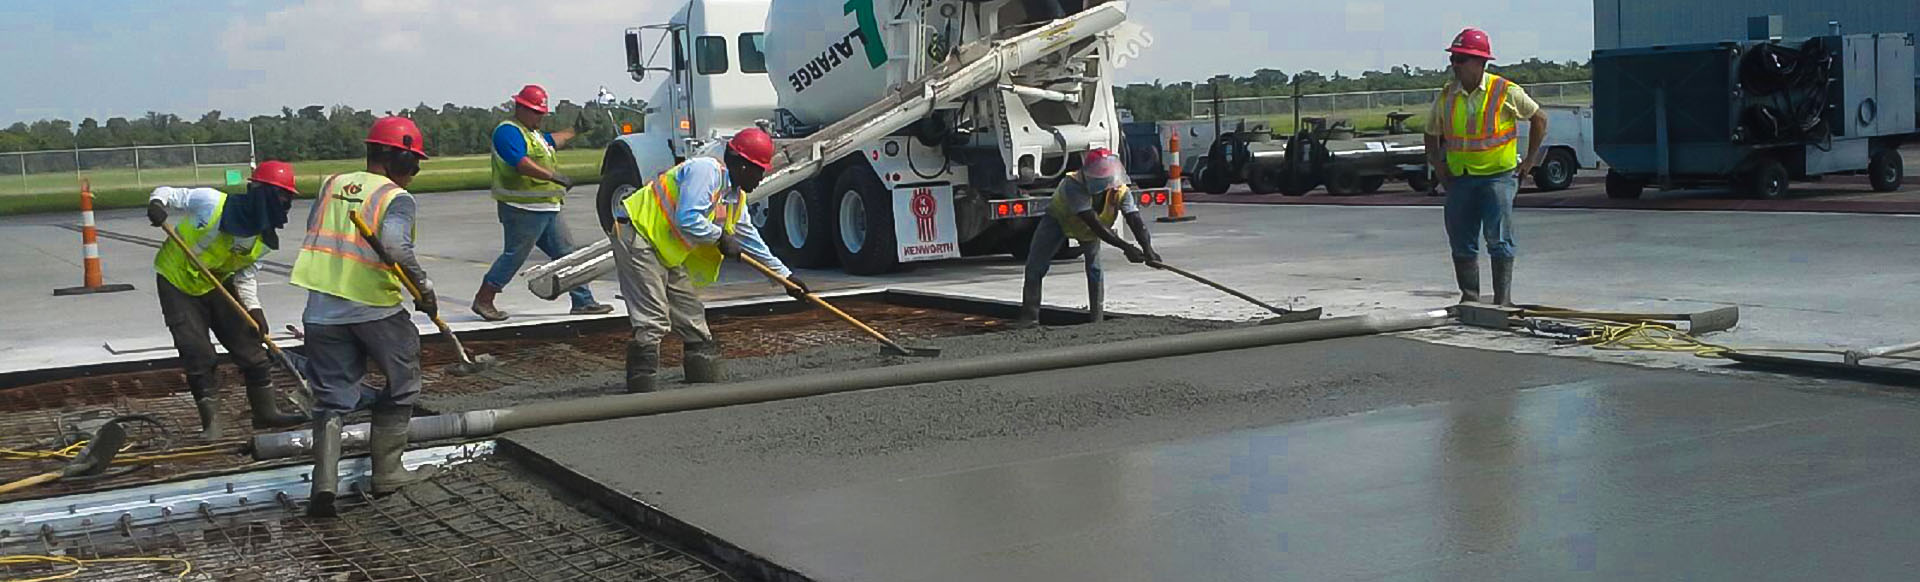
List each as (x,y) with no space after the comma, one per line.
(90,250)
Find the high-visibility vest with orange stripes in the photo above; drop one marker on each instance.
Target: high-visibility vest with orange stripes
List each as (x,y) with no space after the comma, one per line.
(652,209)
(212,246)
(334,259)
(1480,141)
(1077,229)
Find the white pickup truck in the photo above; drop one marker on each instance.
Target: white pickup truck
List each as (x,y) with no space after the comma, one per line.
(1569,146)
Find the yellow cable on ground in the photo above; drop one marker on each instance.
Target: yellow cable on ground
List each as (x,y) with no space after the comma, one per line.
(81,564)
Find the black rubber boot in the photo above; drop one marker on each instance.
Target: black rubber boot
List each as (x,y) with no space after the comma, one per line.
(1029,307)
(387,439)
(326,465)
(643,362)
(1096,303)
(1467,273)
(1503,281)
(703,365)
(263,404)
(207,399)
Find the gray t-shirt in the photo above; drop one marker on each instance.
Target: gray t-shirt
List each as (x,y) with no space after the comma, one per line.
(1080,198)
(323,309)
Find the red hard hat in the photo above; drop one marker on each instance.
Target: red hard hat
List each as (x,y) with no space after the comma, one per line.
(275,173)
(1472,42)
(1102,163)
(398,132)
(532,97)
(755,145)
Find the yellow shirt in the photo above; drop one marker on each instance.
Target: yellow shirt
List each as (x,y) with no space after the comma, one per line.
(1517,104)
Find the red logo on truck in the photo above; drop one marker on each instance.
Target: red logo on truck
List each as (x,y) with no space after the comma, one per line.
(924,209)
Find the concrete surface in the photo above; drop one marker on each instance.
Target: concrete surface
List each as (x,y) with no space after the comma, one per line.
(1800,279)
(1358,459)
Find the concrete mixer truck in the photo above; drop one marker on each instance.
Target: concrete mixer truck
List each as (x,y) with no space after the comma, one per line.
(908,130)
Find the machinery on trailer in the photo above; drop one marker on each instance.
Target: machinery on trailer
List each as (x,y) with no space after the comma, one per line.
(916,130)
(1756,113)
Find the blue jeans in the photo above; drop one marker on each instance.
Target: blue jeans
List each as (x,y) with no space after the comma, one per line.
(1481,206)
(526,229)
(1048,238)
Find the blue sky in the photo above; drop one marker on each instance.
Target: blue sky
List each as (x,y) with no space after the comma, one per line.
(107,58)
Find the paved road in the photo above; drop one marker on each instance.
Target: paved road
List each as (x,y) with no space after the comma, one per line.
(1800,279)
(1358,459)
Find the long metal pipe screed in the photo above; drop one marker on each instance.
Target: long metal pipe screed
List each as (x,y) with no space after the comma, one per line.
(480,423)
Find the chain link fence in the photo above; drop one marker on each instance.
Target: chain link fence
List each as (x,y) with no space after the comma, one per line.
(52,171)
(1362,107)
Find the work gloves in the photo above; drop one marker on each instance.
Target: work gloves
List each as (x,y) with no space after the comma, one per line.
(562,179)
(259,318)
(799,290)
(730,246)
(428,302)
(1153,256)
(1134,254)
(157,213)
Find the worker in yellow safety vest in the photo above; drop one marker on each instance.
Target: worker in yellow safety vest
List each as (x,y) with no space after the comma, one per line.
(670,236)
(1084,208)
(353,308)
(228,233)
(1471,143)
(529,191)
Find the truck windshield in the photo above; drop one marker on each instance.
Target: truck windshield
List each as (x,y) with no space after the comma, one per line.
(753,55)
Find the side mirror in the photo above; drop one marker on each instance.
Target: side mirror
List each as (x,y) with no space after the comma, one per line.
(634,66)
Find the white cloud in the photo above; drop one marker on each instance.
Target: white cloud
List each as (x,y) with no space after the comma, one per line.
(386,54)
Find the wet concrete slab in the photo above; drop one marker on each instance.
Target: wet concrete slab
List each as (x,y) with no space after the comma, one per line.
(1359,459)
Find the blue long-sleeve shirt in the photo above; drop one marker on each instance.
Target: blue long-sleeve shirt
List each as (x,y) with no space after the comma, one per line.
(700,179)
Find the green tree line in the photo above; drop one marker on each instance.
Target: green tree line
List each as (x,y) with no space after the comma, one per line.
(1159,101)
(314,132)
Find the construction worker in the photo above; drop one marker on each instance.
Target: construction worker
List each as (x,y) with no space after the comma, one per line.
(1083,209)
(1471,143)
(671,236)
(528,190)
(353,308)
(228,233)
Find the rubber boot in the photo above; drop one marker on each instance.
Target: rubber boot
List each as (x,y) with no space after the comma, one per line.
(207,400)
(387,439)
(1096,303)
(483,303)
(326,465)
(643,362)
(1029,308)
(1503,281)
(702,363)
(1467,273)
(262,403)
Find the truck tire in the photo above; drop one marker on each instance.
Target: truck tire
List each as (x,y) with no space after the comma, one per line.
(1343,183)
(863,223)
(1884,171)
(798,227)
(1211,179)
(1766,180)
(1263,180)
(1556,172)
(1622,187)
(1421,182)
(1371,184)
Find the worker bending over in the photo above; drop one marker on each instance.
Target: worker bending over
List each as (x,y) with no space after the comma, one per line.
(529,190)
(1083,209)
(670,236)
(353,308)
(228,233)
(1471,142)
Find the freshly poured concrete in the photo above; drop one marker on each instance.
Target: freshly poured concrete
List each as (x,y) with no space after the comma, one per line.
(1367,458)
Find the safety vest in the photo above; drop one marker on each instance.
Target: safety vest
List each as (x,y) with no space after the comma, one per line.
(509,185)
(1072,224)
(213,247)
(335,259)
(1480,141)
(651,210)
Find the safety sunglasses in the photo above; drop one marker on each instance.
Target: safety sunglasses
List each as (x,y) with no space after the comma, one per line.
(1460,59)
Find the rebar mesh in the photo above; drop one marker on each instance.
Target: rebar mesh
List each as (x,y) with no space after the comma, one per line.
(483,520)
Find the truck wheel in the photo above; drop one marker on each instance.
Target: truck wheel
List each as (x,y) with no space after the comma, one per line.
(863,223)
(1263,180)
(1343,182)
(1556,172)
(1884,172)
(1622,187)
(1211,179)
(1766,180)
(1420,182)
(1371,184)
(798,227)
